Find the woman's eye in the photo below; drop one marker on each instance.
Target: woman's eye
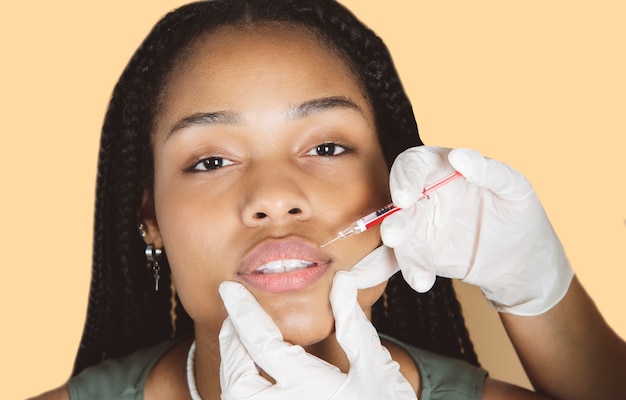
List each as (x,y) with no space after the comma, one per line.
(210,164)
(327,150)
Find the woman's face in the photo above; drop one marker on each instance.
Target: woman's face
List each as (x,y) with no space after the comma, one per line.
(264,148)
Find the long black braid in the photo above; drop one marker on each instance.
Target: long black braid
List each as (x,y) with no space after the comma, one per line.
(124,312)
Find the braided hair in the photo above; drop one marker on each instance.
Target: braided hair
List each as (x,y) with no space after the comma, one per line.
(124,312)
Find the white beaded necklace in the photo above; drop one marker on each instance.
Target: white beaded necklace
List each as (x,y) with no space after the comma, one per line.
(191,375)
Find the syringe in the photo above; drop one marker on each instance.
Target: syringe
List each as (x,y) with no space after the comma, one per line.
(378,216)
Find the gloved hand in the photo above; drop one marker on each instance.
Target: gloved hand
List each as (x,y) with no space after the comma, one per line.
(488,229)
(249,338)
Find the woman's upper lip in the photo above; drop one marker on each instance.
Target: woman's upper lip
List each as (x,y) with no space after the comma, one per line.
(285,249)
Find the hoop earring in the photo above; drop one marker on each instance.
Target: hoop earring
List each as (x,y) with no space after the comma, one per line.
(153,255)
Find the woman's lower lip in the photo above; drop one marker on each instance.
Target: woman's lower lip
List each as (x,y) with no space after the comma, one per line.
(285,282)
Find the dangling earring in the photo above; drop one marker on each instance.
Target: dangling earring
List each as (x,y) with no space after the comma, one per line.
(153,255)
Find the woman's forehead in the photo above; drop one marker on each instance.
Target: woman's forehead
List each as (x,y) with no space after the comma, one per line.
(276,61)
(263,42)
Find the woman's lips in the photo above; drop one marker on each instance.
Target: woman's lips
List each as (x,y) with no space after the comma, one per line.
(283,266)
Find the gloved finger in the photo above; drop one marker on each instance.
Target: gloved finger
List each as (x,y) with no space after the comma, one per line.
(398,228)
(495,176)
(246,313)
(375,268)
(239,377)
(355,333)
(417,265)
(358,338)
(412,168)
(261,337)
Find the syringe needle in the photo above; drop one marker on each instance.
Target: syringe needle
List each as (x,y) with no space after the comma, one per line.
(327,243)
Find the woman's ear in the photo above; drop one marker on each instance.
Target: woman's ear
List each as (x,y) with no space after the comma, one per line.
(148,226)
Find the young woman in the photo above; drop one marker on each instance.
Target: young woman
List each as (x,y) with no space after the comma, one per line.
(242,136)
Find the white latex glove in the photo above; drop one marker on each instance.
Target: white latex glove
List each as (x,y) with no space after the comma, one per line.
(249,338)
(488,229)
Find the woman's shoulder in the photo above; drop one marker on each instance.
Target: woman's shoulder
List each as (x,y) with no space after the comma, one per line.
(119,378)
(168,377)
(438,377)
(60,393)
(408,368)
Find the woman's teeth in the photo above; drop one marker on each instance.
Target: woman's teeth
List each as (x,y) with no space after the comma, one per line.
(282,266)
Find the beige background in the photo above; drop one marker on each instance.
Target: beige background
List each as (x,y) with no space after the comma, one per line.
(539,85)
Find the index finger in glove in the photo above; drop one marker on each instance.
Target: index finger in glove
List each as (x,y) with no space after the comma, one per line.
(262,338)
(375,268)
(495,176)
(411,170)
(355,333)
(246,314)
(239,376)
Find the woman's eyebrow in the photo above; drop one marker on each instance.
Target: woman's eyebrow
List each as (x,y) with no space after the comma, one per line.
(302,110)
(322,104)
(206,118)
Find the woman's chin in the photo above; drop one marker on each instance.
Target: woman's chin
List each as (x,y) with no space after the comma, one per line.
(308,320)
(306,338)
(305,327)
(316,335)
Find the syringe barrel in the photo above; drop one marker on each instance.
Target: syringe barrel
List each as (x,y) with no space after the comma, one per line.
(377,216)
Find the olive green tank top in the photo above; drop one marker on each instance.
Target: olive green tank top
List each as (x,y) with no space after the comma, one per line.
(124,378)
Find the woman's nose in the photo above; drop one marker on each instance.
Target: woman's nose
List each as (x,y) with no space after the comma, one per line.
(274,198)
